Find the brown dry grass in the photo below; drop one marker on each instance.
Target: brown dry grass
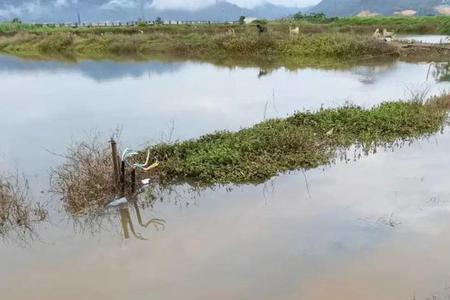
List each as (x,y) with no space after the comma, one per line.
(15,210)
(85,180)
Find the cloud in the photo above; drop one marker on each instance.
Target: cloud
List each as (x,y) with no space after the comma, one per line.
(181,4)
(35,8)
(119,4)
(64,3)
(198,4)
(40,9)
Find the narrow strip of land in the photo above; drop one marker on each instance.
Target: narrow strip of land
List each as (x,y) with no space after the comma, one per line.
(253,155)
(305,140)
(341,38)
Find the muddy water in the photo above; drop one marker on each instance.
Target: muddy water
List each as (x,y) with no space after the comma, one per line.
(376,228)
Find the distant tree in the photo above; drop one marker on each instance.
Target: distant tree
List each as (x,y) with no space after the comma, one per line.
(298,16)
(260,22)
(16,21)
(313,17)
(158,20)
(141,23)
(242,20)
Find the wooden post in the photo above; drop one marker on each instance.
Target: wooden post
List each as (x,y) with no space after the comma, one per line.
(122,172)
(133,180)
(115,163)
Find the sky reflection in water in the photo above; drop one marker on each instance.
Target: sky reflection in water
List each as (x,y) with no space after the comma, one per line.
(371,229)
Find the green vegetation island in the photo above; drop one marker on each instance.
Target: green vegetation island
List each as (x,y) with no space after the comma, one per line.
(305,140)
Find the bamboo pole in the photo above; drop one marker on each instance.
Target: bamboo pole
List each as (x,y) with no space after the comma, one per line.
(115,163)
(122,171)
(133,180)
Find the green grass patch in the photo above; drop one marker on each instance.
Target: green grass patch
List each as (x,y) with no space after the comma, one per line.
(305,140)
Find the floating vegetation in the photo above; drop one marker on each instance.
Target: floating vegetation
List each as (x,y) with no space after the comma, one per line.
(16,213)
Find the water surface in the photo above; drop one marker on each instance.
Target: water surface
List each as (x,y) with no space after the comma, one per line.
(375,228)
(47,105)
(429,39)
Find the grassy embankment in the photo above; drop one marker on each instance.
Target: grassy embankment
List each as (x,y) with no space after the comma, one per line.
(400,25)
(303,141)
(341,38)
(188,41)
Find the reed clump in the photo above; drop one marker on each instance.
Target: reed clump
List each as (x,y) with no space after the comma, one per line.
(84,180)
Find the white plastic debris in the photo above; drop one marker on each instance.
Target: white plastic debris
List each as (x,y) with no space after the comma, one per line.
(146,181)
(117,202)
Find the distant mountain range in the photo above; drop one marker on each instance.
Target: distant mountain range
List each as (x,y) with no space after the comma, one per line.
(129,10)
(383,7)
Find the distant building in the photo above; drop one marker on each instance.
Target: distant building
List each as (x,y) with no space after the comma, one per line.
(443,10)
(248,20)
(406,13)
(367,13)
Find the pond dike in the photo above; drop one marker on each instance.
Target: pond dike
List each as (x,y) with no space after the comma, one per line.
(423,50)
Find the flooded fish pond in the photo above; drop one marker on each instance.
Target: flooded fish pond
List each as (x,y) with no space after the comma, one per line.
(369,227)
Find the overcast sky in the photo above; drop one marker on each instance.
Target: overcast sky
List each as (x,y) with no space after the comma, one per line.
(35,8)
(195,4)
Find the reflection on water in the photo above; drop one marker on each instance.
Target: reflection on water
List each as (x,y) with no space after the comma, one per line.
(361,224)
(98,71)
(429,39)
(342,232)
(128,225)
(441,72)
